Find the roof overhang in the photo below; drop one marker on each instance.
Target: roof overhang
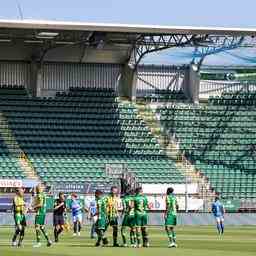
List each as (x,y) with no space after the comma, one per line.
(123,28)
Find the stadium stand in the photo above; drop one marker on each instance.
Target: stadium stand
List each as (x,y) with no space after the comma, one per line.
(9,166)
(70,138)
(219,139)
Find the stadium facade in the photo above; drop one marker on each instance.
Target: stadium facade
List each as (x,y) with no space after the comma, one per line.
(78,107)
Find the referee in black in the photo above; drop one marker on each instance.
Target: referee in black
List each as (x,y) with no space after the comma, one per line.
(58,216)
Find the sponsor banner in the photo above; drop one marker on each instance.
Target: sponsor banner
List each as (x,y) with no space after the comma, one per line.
(191,188)
(232,205)
(28,183)
(6,202)
(80,188)
(6,183)
(157,203)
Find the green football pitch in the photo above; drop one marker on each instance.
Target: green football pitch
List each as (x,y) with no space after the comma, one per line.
(192,241)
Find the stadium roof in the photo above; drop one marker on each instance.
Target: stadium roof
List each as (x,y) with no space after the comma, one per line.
(123,28)
(105,42)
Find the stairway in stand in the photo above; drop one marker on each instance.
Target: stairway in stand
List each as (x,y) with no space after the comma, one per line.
(15,150)
(171,147)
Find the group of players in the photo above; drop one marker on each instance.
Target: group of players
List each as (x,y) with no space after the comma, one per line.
(135,217)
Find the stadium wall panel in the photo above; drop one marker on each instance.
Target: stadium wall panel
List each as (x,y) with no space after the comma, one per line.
(215,88)
(60,76)
(151,77)
(190,219)
(15,73)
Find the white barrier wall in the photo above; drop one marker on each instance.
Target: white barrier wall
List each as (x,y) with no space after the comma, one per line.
(178,188)
(216,88)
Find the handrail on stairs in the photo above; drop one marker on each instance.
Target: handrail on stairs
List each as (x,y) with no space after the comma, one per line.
(24,157)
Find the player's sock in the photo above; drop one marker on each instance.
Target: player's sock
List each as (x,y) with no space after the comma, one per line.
(16,233)
(75,227)
(104,239)
(44,233)
(79,227)
(115,234)
(219,228)
(169,234)
(133,237)
(173,236)
(55,234)
(38,235)
(222,227)
(123,233)
(92,230)
(22,233)
(100,236)
(60,230)
(144,236)
(138,237)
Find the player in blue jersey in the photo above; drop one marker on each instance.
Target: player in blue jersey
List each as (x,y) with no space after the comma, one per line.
(77,216)
(92,211)
(218,212)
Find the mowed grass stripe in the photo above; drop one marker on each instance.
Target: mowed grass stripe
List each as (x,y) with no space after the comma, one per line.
(192,241)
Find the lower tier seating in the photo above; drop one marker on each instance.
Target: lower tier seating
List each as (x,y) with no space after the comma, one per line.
(220,139)
(72,136)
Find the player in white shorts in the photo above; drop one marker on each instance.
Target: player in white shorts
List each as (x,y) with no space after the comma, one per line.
(77,215)
(218,212)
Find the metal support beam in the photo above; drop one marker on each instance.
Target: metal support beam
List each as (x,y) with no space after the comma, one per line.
(204,44)
(213,45)
(151,43)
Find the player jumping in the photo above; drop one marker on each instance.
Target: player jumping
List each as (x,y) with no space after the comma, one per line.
(40,208)
(218,212)
(19,217)
(128,219)
(112,213)
(141,217)
(171,216)
(58,216)
(101,223)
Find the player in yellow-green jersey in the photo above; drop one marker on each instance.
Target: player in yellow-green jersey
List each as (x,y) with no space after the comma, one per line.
(19,211)
(171,216)
(112,212)
(40,209)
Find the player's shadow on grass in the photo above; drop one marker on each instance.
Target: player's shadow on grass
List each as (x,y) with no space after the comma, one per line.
(93,246)
(82,245)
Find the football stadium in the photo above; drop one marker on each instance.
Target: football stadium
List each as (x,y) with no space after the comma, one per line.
(103,154)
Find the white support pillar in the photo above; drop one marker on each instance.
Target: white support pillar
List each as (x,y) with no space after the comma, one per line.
(39,82)
(128,82)
(191,83)
(33,78)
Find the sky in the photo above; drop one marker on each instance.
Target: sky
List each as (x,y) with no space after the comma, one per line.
(232,13)
(225,13)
